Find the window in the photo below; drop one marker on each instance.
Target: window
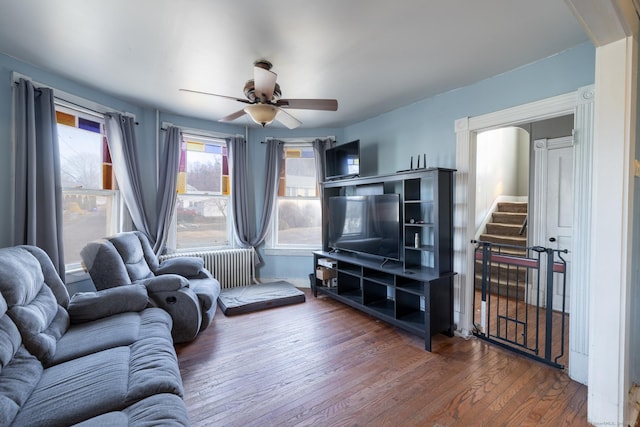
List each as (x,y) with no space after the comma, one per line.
(202,207)
(91,205)
(298,213)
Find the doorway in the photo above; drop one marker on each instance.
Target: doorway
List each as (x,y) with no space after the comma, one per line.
(580,105)
(521,279)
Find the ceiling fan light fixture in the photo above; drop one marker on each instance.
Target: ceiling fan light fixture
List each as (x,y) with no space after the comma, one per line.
(262,114)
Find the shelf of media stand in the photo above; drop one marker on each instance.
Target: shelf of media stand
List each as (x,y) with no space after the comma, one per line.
(423,248)
(417,300)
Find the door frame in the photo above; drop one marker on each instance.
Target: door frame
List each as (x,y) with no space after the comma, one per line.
(579,103)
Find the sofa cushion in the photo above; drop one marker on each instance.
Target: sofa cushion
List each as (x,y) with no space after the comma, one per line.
(114,331)
(20,276)
(32,305)
(87,306)
(103,262)
(102,382)
(18,379)
(130,249)
(9,335)
(161,409)
(51,277)
(184,266)
(19,370)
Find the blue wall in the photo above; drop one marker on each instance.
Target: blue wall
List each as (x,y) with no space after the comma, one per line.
(427,126)
(387,141)
(7,66)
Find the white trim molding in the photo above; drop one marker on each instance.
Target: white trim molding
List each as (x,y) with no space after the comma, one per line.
(578,103)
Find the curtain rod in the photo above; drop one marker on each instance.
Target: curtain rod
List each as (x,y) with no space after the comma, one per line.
(75,105)
(294,140)
(186,132)
(79,107)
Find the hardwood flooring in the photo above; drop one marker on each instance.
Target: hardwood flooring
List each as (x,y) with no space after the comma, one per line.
(523,326)
(323,363)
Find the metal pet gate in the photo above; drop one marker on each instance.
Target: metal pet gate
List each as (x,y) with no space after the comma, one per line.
(522,305)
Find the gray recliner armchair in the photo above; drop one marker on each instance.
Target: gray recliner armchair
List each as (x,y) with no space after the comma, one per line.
(181,286)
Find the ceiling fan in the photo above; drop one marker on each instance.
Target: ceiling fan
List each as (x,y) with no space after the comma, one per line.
(264,99)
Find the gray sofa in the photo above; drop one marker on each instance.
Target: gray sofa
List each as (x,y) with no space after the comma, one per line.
(98,358)
(181,286)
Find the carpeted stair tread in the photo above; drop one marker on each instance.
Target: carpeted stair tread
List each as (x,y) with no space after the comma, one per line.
(509,217)
(515,207)
(505,229)
(504,240)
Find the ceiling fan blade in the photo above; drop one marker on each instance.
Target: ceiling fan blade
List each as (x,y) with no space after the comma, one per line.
(265,83)
(287,119)
(213,94)
(309,104)
(231,117)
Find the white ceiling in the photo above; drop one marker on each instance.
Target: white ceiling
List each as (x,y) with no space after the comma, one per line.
(372,56)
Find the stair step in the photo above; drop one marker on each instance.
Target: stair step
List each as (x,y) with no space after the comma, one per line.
(516,207)
(504,240)
(509,217)
(505,229)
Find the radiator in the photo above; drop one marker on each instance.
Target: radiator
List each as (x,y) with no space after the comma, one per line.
(232,267)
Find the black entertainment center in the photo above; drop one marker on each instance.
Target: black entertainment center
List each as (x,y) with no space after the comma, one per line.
(388,248)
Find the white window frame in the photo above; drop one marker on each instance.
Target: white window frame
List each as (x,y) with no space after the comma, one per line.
(75,270)
(271,246)
(199,134)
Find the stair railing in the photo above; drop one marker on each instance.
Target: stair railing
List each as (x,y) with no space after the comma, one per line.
(524,226)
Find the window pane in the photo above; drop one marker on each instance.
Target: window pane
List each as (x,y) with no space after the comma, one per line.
(201,221)
(203,167)
(204,172)
(86,217)
(299,222)
(300,172)
(90,207)
(80,157)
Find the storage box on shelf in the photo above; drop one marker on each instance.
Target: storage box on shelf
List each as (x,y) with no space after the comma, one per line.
(414,292)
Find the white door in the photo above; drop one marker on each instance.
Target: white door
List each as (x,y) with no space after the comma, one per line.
(560,214)
(554,190)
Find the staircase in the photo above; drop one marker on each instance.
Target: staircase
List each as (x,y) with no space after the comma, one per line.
(505,228)
(506,224)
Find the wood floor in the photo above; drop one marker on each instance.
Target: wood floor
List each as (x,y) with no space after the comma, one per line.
(522,326)
(322,363)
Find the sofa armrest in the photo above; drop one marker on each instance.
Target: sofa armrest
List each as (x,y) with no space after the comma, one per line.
(183,266)
(164,283)
(88,306)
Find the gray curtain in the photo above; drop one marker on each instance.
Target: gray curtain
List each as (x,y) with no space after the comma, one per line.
(245,234)
(319,147)
(275,151)
(122,145)
(238,160)
(167,186)
(38,188)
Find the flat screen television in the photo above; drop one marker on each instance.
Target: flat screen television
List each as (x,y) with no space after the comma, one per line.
(342,161)
(365,224)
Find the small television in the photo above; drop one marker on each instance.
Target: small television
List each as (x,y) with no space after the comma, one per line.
(342,161)
(366,225)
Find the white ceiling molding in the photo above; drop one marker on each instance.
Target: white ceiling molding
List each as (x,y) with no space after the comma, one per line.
(606,21)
